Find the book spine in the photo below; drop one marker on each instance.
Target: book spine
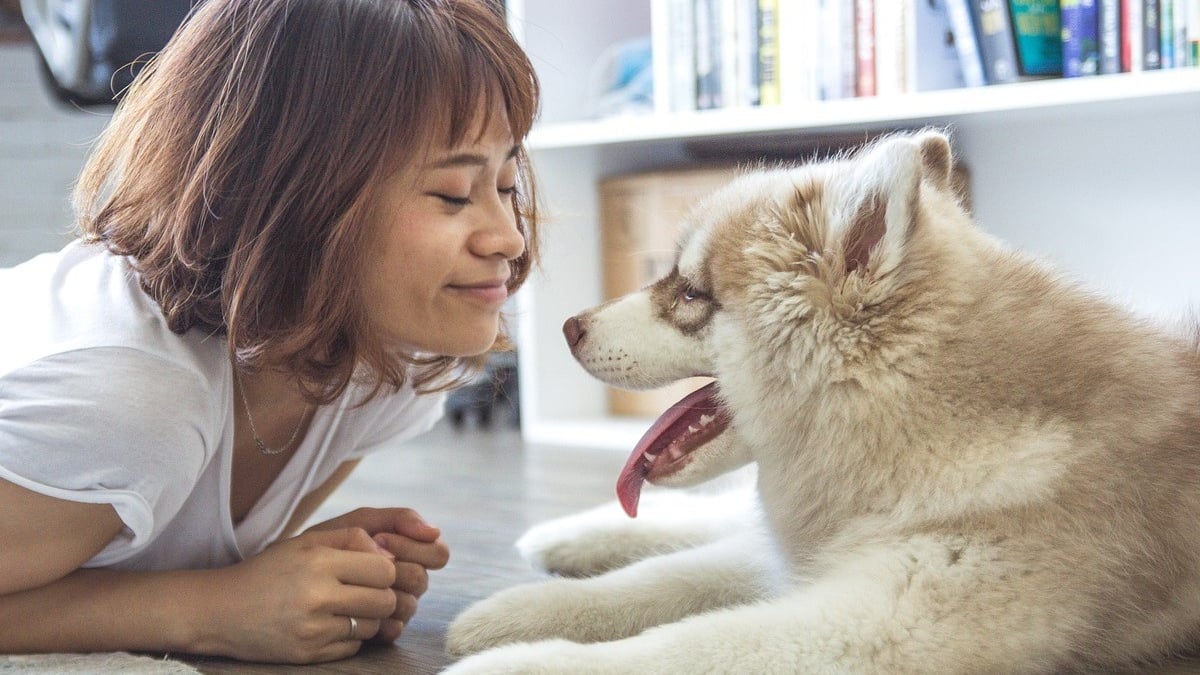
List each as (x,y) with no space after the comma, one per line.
(848,59)
(768,52)
(889,60)
(931,60)
(799,47)
(1151,57)
(1081,55)
(958,15)
(1038,32)
(1108,21)
(1182,51)
(1166,33)
(708,56)
(747,52)
(864,53)
(829,53)
(1131,36)
(1193,33)
(728,49)
(997,46)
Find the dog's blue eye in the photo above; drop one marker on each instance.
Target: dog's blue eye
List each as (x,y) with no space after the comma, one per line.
(690,294)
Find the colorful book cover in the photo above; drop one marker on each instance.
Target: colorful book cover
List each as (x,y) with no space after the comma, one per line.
(997,44)
(1166,33)
(1151,57)
(1038,32)
(1108,21)
(864,38)
(1080,38)
(962,30)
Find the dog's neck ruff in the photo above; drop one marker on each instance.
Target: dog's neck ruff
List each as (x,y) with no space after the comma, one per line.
(665,447)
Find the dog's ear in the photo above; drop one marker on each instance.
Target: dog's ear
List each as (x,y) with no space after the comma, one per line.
(888,176)
(936,158)
(885,180)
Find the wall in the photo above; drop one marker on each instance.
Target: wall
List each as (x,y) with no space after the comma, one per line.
(42,147)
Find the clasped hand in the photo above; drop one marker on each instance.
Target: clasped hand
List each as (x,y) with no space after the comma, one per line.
(370,564)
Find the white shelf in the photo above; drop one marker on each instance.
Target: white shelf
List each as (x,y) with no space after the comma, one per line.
(870,112)
(1097,174)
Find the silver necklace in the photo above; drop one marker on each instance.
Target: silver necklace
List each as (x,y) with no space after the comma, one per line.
(258,442)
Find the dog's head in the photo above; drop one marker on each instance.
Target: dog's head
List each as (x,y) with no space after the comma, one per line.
(783,283)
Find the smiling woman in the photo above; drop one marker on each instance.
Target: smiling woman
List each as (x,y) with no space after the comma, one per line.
(297,232)
(440,273)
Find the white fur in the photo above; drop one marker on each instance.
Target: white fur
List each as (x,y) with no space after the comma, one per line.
(965,464)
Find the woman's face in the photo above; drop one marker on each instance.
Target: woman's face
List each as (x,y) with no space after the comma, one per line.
(437,276)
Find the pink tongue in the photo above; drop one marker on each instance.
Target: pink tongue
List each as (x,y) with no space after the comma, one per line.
(665,429)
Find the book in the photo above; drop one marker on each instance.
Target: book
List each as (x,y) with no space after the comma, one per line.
(1151,57)
(931,60)
(799,42)
(1132,59)
(997,43)
(747,36)
(707,55)
(1108,42)
(888,36)
(864,41)
(1038,32)
(962,31)
(1166,33)
(768,52)
(673,55)
(836,68)
(1080,36)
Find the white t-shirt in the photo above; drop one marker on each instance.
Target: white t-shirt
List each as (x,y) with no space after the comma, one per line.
(101,403)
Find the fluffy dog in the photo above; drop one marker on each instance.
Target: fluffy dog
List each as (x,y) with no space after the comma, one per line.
(965,462)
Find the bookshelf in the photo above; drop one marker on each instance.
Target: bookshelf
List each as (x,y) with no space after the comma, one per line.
(1101,175)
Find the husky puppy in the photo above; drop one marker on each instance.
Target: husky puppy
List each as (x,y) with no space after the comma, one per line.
(965,462)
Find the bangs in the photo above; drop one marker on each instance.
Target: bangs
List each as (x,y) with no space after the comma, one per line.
(479,70)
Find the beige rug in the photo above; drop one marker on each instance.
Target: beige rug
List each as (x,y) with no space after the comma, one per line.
(100,664)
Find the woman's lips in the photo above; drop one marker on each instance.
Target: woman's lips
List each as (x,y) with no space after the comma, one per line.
(485,292)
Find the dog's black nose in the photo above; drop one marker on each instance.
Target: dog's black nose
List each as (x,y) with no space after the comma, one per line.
(573,331)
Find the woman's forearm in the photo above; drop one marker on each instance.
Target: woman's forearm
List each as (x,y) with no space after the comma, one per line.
(292,603)
(105,610)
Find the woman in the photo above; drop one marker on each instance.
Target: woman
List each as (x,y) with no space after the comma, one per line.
(298,229)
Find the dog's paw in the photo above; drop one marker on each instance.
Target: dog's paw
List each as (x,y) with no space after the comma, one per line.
(603,539)
(581,545)
(518,614)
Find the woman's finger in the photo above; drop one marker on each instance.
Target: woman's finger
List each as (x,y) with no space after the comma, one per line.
(430,555)
(411,578)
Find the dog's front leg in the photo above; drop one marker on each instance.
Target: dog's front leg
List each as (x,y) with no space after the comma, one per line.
(738,569)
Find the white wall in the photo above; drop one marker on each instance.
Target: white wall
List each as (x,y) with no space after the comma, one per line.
(42,148)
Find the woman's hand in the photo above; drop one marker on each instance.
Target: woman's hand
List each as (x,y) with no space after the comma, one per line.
(417,548)
(293,602)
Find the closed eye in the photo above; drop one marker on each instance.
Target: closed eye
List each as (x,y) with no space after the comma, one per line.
(507,191)
(458,202)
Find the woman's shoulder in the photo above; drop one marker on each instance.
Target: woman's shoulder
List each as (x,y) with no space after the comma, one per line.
(84,298)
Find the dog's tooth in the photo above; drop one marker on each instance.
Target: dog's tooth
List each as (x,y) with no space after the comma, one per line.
(705,420)
(650,456)
(692,429)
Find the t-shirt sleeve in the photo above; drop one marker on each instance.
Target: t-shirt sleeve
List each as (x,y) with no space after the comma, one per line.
(108,425)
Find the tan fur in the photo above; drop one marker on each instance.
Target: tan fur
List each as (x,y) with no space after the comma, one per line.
(966,462)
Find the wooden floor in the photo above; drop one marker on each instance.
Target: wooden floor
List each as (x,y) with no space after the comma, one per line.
(483,490)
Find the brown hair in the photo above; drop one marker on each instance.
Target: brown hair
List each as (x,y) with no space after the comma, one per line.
(240,168)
